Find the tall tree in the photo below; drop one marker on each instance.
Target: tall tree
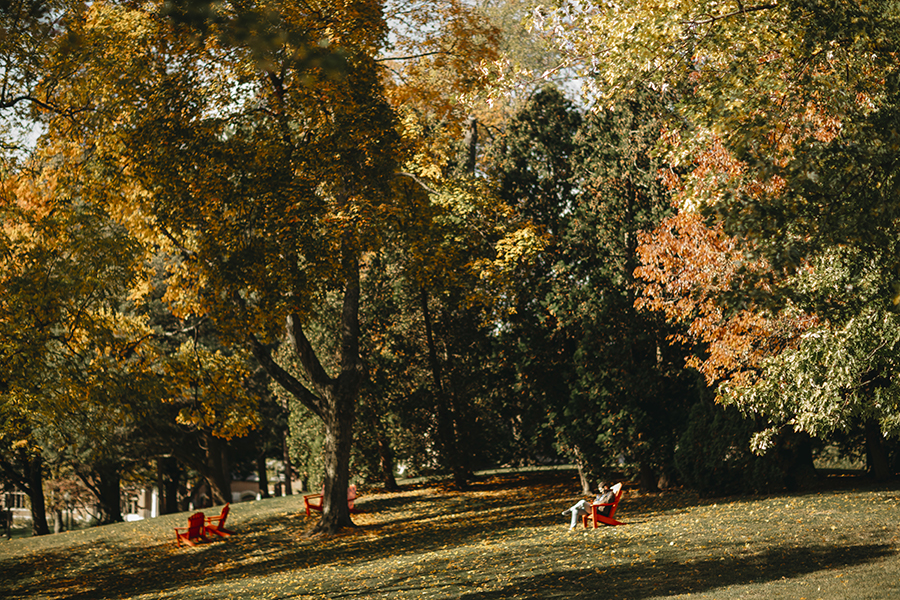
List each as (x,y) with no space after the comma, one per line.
(606,376)
(801,97)
(63,264)
(268,188)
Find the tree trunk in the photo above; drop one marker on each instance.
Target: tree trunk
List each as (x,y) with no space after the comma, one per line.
(583,476)
(262,472)
(386,460)
(338,441)
(470,142)
(288,468)
(876,455)
(109,493)
(218,471)
(34,475)
(172,483)
(445,426)
(649,479)
(332,399)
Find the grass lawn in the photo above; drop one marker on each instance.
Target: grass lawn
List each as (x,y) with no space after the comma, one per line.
(505,538)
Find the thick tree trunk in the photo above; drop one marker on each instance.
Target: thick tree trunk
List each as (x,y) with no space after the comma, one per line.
(169,475)
(338,442)
(109,493)
(649,479)
(34,475)
(262,472)
(332,399)
(218,470)
(876,455)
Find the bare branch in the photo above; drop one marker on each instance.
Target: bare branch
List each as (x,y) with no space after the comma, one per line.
(412,56)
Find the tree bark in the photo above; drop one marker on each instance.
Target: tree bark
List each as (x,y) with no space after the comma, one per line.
(332,399)
(34,476)
(583,477)
(876,455)
(170,475)
(104,481)
(649,479)
(385,457)
(218,470)
(262,472)
(445,424)
(288,467)
(471,145)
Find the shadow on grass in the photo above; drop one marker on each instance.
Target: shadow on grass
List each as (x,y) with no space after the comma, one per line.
(262,546)
(398,528)
(671,578)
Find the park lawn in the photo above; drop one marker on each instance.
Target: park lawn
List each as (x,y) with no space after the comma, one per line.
(505,538)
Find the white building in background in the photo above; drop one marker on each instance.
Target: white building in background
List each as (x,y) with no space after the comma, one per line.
(16,504)
(143,504)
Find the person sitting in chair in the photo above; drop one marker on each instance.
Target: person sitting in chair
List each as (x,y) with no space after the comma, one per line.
(582,507)
(607,496)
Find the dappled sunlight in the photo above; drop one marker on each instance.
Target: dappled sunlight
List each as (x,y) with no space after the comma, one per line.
(504,538)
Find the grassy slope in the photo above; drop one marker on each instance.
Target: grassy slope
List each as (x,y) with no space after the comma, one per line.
(504,539)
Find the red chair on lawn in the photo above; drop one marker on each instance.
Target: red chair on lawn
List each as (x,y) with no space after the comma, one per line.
(193,533)
(216,524)
(314,501)
(606,519)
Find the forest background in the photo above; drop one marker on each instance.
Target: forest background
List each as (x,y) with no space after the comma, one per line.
(657,241)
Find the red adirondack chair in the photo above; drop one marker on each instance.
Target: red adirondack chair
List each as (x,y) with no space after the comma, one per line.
(193,533)
(314,501)
(216,524)
(595,515)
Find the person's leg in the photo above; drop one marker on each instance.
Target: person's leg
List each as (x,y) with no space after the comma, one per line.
(578,511)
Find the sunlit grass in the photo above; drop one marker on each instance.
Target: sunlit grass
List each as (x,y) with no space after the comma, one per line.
(503,539)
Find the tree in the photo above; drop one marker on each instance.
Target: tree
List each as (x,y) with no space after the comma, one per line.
(760,80)
(63,263)
(801,97)
(221,147)
(597,364)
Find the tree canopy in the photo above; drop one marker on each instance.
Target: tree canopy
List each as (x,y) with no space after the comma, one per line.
(204,201)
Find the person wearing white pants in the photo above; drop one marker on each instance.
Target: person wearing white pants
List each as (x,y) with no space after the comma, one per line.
(582,507)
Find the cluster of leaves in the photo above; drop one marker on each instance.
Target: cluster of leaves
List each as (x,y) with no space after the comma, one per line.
(781,138)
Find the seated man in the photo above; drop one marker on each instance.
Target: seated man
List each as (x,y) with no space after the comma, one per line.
(583,507)
(607,496)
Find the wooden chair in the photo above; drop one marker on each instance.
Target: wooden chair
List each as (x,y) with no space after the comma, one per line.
(607,519)
(216,524)
(193,533)
(314,501)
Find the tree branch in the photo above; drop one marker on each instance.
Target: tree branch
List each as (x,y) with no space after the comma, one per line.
(419,181)
(290,383)
(412,56)
(307,355)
